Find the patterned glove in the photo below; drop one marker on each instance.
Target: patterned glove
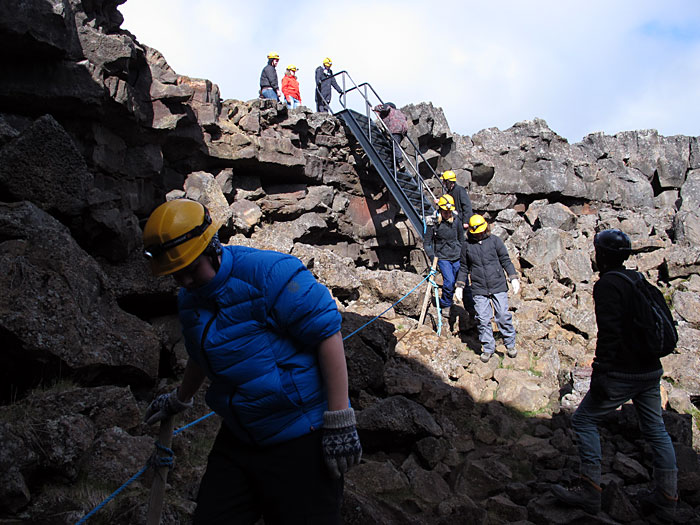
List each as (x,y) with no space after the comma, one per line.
(165,405)
(341,444)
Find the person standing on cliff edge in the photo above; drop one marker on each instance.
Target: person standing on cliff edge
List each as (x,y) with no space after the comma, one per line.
(267,335)
(324,80)
(269,87)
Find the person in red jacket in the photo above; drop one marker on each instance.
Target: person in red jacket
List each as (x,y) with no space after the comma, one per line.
(290,87)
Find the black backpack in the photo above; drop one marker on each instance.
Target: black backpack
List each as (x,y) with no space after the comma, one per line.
(651,317)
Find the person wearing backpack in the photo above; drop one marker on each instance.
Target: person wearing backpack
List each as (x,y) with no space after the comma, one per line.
(626,366)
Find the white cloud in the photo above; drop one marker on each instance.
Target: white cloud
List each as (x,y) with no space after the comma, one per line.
(583,67)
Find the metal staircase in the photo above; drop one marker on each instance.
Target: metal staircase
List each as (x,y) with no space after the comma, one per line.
(408,187)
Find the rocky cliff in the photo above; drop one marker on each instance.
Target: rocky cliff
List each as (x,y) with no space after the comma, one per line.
(96,129)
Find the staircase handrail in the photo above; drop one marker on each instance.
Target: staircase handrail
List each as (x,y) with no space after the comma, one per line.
(368,111)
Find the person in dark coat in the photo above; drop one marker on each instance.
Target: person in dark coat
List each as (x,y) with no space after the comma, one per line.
(462,201)
(324,81)
(622,370)
(269,87)
(443,239)
(397,125)
(484,258)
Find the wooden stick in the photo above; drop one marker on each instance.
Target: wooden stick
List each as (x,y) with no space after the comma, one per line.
(426,297)
(160,476)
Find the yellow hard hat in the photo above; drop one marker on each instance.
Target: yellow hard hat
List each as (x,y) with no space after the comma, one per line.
(292,67)
(327,62)
(176,233)
(477,224)
(446,202)
(273,55)
(448,175)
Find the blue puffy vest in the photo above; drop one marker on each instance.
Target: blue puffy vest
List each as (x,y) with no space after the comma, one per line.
(254,329)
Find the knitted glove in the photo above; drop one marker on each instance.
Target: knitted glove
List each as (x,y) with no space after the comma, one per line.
(341,444)
(515,283)
(165,405)
(459,294)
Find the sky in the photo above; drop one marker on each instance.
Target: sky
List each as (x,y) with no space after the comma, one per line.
(584,67)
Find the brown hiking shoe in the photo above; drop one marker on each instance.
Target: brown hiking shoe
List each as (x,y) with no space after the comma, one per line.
(584,495)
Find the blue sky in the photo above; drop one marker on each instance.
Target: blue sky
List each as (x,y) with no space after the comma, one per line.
(608,66)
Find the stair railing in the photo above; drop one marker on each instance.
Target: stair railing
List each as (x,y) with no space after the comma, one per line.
(367,92)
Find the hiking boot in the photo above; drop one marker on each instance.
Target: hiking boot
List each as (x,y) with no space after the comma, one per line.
(659,503)
(485,357)
(512,352)
(584,495)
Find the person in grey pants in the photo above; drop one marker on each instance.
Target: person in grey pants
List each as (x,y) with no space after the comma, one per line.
(484,258)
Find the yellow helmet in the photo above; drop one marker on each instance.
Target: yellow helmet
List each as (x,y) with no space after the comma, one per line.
(448,175)
(477,224)
(327,62)
(273,55)
(292,67)
(176,233)
(446,202)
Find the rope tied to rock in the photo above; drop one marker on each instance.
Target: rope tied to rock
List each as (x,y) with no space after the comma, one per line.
(168,458)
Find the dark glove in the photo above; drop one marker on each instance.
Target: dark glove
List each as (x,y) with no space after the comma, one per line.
(599,385)
(165,405)
(341,444)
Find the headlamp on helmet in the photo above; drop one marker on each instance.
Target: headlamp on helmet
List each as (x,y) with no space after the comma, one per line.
(477,224)
(446,202)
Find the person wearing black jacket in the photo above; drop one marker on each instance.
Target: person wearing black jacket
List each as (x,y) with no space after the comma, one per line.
(483,259)
(269,87)
(324,81)
(462,201)
(622,370)
(443,239)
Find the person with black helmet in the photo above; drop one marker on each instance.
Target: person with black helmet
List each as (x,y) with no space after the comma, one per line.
(621,371)
(443,239)
(460,195)
(483,260)
(266,334)
(269,87)
(324,80)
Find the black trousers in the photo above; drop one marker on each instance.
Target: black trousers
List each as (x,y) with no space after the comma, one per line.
(287,484)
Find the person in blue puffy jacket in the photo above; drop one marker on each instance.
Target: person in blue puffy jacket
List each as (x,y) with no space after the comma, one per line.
(266,334)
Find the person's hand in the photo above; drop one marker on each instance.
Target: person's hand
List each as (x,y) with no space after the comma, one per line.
(341,444)
(515,283)
(165,405)
(459,294)
(599,385)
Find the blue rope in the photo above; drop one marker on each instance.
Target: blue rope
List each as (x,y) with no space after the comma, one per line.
(192,423)
(114,494)
(168,459)
(432,272)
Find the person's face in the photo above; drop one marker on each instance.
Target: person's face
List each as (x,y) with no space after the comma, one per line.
(446,214)
(275,61)
(198,273)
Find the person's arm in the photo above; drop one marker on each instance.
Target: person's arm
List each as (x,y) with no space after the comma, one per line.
(336,86)
(334,371)
(504,258)
(466,206)
(192,379)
